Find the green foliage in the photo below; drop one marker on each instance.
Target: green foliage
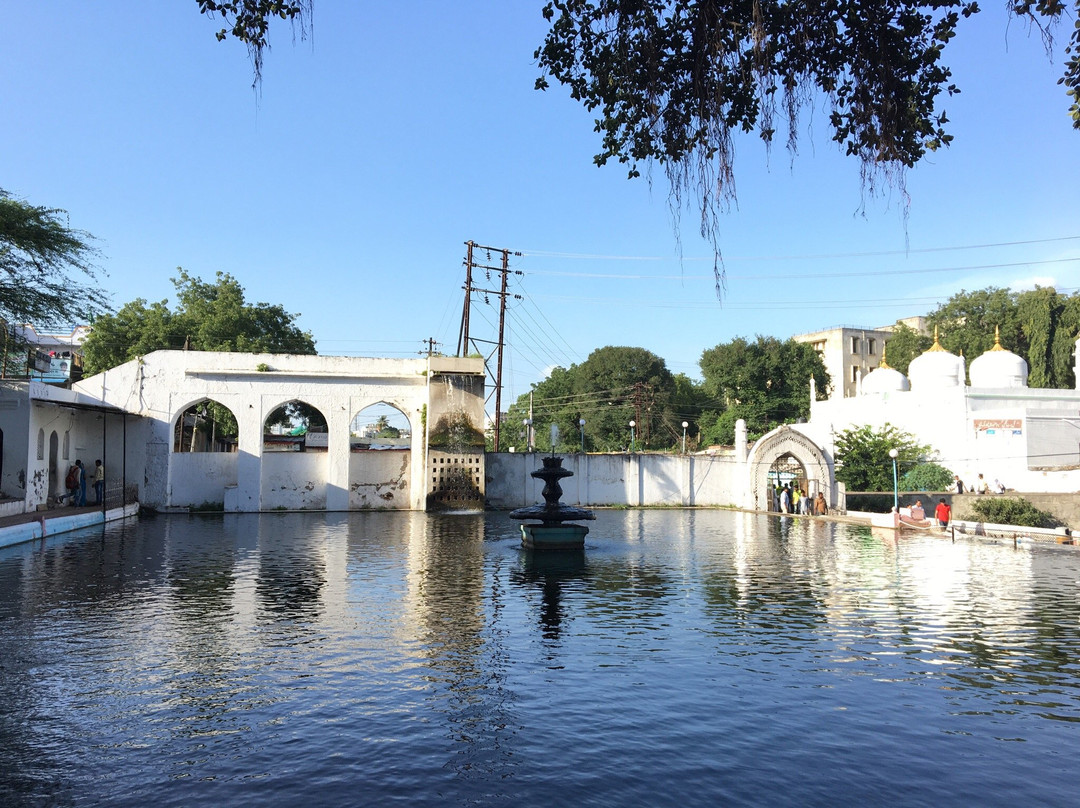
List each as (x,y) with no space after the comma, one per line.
(903,345)
(249,22)
(862,455)
(613,386)
(208,317)
(926,477)
(38,253)
(1008,511)
(765,382)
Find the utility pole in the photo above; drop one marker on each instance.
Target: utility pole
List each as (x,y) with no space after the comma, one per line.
(465,338)
(430,343)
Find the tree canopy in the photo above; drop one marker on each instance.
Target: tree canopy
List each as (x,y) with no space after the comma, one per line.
(46,267)
(862,454)
(208,317)
(613,386)
(1039,324)
(766,382)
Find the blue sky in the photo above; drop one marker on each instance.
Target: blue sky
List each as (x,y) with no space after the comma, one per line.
(346,187)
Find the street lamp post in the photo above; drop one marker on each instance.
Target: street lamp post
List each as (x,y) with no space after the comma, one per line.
(895,484)
(684,426)
(581,424)
(632,425)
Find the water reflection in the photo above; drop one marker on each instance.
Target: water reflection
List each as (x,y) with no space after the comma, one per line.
(549,571)
(692,657)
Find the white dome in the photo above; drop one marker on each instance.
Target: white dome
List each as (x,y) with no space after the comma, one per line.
(884,379)
(999,368)
(936,369)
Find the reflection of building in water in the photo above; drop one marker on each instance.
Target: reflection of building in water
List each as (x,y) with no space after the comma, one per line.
(451,609)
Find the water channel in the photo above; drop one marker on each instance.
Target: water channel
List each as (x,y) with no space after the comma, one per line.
(685,658)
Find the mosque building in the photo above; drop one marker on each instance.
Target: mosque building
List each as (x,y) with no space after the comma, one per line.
(1026,438)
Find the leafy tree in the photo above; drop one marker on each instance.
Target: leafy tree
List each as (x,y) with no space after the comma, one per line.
(613,386)
(926,477)
(209,317)
(904,345)
(862,455)
(39,251)
(966,322)
(766,382)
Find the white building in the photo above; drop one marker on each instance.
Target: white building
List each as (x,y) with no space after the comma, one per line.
(144,417)
(998,426)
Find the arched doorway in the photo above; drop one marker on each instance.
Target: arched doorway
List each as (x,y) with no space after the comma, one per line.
(380,458)
(294,458)
(56,479)
(204,455)
(787,455)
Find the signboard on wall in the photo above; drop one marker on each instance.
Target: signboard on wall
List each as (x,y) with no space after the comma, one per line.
(997,427)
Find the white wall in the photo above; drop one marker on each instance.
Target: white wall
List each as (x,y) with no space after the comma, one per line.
(380,479)
(293,480)
(196,478)
(617,479)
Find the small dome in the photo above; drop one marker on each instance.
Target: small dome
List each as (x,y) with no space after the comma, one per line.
(884,379)
(999,367)
(936,369)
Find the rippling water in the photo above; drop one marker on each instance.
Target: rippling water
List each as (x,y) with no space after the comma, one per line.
(685,658)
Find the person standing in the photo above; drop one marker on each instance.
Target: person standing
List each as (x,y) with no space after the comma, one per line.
(943,513)
(82,484)
(99,482)
(71,483)
(821,508)
(958,484)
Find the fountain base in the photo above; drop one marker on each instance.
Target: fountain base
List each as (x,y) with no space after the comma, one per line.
(553,537)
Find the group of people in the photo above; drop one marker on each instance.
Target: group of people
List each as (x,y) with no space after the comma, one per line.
(789,499)
(76,483)
(981,486)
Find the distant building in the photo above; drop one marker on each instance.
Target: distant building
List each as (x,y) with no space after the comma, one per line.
(851,352)
(49,357)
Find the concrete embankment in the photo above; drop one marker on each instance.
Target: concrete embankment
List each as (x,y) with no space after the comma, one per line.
(33,526)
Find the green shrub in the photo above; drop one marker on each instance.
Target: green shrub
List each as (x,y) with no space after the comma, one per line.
(1007,511)
(926,477)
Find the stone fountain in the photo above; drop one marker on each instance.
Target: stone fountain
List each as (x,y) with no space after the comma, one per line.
(552,533)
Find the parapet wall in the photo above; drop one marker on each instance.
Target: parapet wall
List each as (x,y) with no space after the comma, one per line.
(617,479)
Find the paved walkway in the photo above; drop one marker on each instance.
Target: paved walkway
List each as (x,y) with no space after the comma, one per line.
(22,527)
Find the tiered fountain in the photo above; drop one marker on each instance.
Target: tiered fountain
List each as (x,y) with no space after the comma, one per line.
(552,533)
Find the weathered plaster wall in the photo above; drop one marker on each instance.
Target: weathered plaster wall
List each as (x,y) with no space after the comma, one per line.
(162,385)
(294,481)
(15,423)
(380,480)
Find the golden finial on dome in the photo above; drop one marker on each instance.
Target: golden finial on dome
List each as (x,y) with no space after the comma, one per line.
(884,347)
(937,345)
(997,339)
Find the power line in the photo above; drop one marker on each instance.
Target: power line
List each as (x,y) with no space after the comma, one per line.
(806,257)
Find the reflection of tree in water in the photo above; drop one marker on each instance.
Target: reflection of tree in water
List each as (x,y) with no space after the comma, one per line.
(466,658)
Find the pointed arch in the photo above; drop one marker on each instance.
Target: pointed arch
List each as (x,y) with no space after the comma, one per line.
(785,443)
